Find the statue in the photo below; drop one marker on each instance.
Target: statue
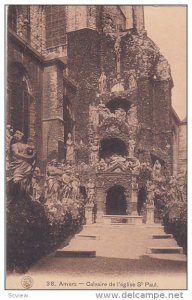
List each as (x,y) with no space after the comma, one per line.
(150,193)
(150,188)
(37,191)
(8,140)
(132,83)
(156,171)
(118,85)
(75,186)
(134,183)
(94,115)
(131,148)
(67,187)
(102,165)
(90,191)
(70,154)
(94,152)
(23,161)
(102,83)
(115,158)
(53,182)
(132,116)
(135,166)
(120,114)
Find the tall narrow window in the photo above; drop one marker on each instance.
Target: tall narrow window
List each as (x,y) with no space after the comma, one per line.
(55,25)
(12,17)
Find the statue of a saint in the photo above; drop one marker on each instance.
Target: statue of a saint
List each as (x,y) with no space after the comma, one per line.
(37,190)
(23,161)
(53,182)
(70,154)
(8,140)
(67,188)
(102,83)
(156,172)
(75,185)
(94,155)
(132,83)
(132,116)
(131,148)
(94,115)
(150,193)
(120,114)
(90,191)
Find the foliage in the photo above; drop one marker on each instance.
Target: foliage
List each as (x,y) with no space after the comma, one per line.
(34,229)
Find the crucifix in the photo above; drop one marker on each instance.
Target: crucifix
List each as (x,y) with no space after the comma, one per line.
(117,36)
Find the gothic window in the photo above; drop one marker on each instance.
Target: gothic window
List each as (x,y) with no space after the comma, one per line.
(19,99)
(26,22)
(12,17)
(55,25)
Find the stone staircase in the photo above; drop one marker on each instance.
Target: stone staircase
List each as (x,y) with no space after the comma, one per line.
(122,241)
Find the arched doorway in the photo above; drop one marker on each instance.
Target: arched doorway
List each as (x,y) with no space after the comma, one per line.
(116,201)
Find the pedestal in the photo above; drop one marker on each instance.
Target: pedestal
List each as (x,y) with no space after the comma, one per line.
(150,214)
(133,203)
(89,213)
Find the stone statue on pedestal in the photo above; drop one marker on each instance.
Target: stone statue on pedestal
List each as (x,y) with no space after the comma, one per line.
(23,162)
(131,148)
(132,116)
(102,83)
(90,191)
(70,154)
(94,152)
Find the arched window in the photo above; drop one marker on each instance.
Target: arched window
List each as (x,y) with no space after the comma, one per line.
(19,99)
(12,17)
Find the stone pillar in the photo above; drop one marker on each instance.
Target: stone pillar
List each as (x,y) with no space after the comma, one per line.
(138,17)
(150,213)
(100,204)
(89,213)
(134,196)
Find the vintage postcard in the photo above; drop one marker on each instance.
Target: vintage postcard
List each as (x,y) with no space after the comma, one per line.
(96,147)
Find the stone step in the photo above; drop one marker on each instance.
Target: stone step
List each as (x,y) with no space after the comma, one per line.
(167,250)
(87,237)
(122,219)
(162,236)
(75,253)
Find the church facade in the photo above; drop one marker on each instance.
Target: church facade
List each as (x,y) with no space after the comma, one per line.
(93,91)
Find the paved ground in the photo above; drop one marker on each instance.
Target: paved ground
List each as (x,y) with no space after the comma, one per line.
(121,263)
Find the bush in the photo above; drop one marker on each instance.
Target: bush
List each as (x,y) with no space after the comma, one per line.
(34,230)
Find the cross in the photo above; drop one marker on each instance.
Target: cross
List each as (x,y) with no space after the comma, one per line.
(117,35)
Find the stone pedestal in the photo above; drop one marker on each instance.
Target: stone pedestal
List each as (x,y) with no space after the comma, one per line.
(150,213)
(89,213)
(133,203)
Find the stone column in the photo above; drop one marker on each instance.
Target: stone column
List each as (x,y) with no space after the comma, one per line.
(134,195)
(100,204)
(89,213)
(150,213)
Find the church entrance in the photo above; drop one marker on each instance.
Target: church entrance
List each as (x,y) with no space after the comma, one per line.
(116,201)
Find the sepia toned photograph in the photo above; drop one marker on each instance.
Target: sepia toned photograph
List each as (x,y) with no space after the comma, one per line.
(96,147)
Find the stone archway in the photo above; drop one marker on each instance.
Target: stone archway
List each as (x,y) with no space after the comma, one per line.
(116,203)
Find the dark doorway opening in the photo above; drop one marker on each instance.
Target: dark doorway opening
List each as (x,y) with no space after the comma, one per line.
(142,196)
(110,146)
(116,201)
(118,103)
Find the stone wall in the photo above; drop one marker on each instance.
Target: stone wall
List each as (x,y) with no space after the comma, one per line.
(84,66)
(182,162)
(18,54)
